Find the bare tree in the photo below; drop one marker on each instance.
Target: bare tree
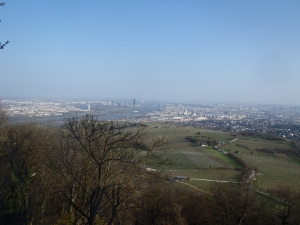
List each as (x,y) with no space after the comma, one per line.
(5,43)
(101,166)
(233,202)
(285,207)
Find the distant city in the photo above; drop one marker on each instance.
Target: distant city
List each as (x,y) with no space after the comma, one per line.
(282,121)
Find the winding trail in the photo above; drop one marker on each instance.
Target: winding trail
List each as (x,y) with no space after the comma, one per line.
(234,140)
(251,177)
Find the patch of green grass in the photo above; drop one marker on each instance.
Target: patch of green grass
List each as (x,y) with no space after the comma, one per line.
(275,169)
(176,134)
(211,174)
(185,160)
(218,135)
(232,147)
(255,143)
(294,160)
(274,172)
(207,185)
(214,174)
(226,158)
(203,185)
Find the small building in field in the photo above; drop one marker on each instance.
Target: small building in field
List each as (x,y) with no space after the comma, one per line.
(180,178)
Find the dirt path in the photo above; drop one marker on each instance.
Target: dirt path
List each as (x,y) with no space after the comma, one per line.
(234,140)
(220,181)
(251,177)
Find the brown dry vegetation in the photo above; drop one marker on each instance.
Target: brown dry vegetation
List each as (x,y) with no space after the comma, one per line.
(90,172)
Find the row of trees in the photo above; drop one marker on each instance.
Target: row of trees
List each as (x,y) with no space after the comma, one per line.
(227,205)
(199,140)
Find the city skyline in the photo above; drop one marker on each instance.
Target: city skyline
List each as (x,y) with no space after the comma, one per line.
(231,52)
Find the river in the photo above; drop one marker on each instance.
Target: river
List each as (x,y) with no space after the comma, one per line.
(131,115)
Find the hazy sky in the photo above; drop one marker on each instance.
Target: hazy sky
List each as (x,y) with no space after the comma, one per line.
(222,51)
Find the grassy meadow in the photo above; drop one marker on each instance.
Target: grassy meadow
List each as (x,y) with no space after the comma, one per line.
(274,167)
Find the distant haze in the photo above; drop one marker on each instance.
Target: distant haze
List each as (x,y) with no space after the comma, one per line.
(219,51)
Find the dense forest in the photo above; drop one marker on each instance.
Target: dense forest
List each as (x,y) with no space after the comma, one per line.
(93,172)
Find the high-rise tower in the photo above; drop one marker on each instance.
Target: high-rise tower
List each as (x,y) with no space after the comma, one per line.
(133,102)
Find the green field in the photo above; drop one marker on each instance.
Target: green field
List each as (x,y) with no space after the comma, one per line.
(181,153)
(224,157)
(274,172)
(254,143)
(267,157)
(274,169)
(187,160)
(214,174)
(176,135)
(206,185)
(219,136)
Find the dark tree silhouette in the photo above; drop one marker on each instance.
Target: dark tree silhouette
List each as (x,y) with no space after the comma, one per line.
(3,116)
(5,43)
(100,165)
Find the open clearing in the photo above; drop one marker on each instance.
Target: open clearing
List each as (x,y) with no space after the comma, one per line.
(205,179)
(274,167)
